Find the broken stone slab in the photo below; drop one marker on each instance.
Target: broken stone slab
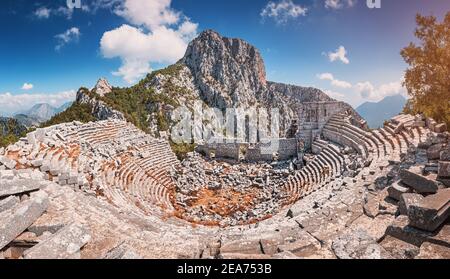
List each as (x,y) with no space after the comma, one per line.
(14,187)
(17,219)
(431,212)
(398,248)
(444,169)
(433,251)
(401,229)
(242,247)
(406,200)
(371,206)
(358,244)
(64,244)
(397,189)
(122,252)
(8,203)
(422,184)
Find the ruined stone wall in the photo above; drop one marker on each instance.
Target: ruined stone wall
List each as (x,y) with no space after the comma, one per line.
(313,117)
(286,149)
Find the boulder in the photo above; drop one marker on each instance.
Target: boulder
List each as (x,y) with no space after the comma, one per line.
(17,219)
(431,212)
(406,200)
(414,178)
(433,153)
(397,189)
(64,244)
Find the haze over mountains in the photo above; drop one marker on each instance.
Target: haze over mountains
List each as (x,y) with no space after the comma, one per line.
(39,113)
(377,113)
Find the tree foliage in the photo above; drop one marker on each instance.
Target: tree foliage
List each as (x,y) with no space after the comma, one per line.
(428,77)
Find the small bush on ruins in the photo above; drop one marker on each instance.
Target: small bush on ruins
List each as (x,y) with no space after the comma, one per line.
(181,150)
(76,112)
(428,78)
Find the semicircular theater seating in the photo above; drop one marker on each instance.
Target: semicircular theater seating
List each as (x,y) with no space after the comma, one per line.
(111,159)
(375,147)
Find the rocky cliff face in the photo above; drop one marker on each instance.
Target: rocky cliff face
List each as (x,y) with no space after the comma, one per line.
(99,109)
(102,87)
(228,72)
(221,72)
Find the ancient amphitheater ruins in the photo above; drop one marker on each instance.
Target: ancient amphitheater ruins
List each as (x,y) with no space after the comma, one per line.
(107,190)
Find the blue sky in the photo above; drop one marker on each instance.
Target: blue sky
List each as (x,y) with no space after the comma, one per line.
(340,46)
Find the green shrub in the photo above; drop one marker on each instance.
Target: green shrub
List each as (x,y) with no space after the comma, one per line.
(76,112)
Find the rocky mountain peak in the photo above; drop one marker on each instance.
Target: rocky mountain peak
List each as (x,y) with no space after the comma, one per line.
(102,87)
(229,71)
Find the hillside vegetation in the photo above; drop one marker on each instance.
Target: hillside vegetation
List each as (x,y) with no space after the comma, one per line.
(428,78)
(10,131)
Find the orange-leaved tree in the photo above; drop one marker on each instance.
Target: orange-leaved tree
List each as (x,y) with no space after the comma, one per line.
(428,77)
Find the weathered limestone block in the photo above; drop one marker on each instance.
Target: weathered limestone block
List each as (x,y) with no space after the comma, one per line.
(15,187)
(422,184)
(8,163)
(433,251)
(122,252)
(444,169)
(440,128)
(6,174)
(358,245)
(406,200)
(397,189)
(445,154)
(8,203)
(429,213)
(64,244)
(17,219)
(433,153)
(242,247)
(398,248)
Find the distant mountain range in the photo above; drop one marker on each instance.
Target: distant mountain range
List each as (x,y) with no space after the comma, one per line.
(39,113)
(377,113)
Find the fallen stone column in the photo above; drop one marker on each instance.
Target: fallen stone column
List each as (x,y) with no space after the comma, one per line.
(64,244)
(17,219)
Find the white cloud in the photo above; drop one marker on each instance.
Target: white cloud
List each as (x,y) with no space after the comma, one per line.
(71,35)
(27,86)
(283,11)
(335,82)
(340,54)
(11,103)
(149,13)
(335,95)
(369,92)
(162,37)
(42,13)
(339,4)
